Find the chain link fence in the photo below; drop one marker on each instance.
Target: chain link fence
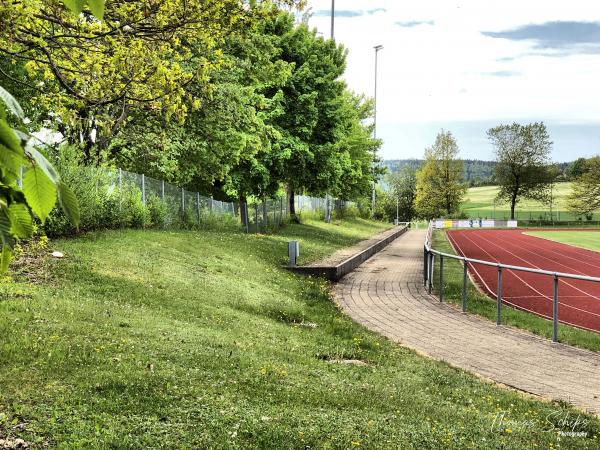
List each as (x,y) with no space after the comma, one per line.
(192,208)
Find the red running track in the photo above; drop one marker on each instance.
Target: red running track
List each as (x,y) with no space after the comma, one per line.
(579,301)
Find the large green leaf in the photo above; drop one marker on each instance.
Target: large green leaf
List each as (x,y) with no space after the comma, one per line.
(69,204)
(74,5)
(40,191)
(11,103)
(21,221)
(8,138)
(10,163)
(43,163)
(5,225)
(5,257)
(97,8)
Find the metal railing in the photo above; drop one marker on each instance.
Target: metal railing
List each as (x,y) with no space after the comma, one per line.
(428,263)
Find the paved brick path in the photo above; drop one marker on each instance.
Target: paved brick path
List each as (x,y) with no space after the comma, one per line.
(386,294)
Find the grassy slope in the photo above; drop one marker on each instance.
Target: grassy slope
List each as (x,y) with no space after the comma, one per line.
(480,202)
(584,239)
(481,304)
(185,339)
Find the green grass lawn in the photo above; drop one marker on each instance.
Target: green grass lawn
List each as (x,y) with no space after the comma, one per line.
(584,239)
(479,202)
(158,339)
(481,304)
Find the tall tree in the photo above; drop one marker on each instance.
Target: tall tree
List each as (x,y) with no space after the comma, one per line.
(404,191)
(585,197)
(524,168)
(142,55)
(440,187)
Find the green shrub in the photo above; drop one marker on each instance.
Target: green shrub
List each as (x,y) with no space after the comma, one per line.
(158,211)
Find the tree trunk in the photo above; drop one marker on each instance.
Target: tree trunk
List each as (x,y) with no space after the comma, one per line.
(243,211)
(513,204)
(293,216)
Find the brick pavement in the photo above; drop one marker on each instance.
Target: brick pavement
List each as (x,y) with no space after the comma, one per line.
(386,294)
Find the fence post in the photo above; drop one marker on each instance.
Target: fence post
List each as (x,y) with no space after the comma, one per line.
(143,189)
(555,311)
(265,214)
(441,278)
(464,291)
(499,298)
(20,179)
(182,205)
(247,220)
(198,205)
(256,216)
(162,190)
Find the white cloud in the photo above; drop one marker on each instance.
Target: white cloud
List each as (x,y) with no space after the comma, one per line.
(441,68)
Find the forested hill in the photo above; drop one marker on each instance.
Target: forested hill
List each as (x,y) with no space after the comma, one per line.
(475,170)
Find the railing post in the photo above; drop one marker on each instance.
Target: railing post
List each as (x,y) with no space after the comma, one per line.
(162,190)
(555,311)
(430,277)
(441,278)
(499,297)
(464,290)
(425,258)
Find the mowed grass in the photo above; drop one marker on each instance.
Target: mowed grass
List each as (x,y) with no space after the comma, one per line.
(150,339)
(482,305)
(479,202)
(584,239)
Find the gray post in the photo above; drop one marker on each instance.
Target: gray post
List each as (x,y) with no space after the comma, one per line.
(265,214)
(247,219)
(198,205)
(293,252)
(425,267)
(327,209)
(441,278)
(120,179)
(182,204)
(430,277)
(162,190)
(211,204)
(256,216)
(464,292)
(280,211)
(143,189)
(555,311)
(499,298)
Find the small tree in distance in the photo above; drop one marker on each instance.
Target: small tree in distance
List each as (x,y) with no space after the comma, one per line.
(440,187)
(524,168)
(585,197)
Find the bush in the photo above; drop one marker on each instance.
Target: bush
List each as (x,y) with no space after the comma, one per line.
(158,211)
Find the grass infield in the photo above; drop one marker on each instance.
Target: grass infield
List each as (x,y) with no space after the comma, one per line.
(584,239)
(156,339)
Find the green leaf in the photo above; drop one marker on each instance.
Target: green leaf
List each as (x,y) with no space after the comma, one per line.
(5,258)
(21,220)
(97,8)
(74,5)
(8,138)
(69,203)
(10,163)
(11,103)
(40,192)
(5,226)
(43,163)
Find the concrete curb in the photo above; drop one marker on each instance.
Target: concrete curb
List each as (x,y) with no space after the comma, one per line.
(335,273)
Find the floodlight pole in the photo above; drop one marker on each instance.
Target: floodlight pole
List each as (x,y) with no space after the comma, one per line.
(332,16)
(377,48)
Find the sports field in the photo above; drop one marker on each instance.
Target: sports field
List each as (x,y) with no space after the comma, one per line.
(579,301)
(584,239)
(479,202)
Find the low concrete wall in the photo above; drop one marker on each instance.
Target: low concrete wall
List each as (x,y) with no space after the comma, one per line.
(334,273)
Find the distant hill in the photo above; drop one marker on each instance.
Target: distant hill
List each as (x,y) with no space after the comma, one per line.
(476,171)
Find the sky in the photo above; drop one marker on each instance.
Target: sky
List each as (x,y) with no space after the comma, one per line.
(468,65)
